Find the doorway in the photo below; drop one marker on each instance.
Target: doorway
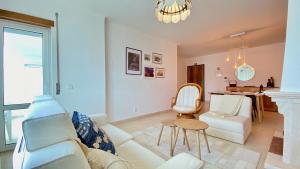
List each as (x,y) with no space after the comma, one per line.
(24,74)
(196,74)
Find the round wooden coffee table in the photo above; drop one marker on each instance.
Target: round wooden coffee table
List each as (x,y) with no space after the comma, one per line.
(195,125)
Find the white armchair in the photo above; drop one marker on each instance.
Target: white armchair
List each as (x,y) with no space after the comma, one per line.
(187,101)
(233,128)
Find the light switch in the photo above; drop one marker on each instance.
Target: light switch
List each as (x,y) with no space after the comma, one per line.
(70,87)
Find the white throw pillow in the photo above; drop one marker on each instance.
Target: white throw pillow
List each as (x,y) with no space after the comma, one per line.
(99,159)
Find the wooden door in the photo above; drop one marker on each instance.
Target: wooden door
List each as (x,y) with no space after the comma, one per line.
(196,74)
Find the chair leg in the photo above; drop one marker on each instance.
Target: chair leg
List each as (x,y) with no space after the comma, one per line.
(185,116)
(162,128)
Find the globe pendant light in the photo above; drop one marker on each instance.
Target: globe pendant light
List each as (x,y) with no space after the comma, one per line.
(172,11)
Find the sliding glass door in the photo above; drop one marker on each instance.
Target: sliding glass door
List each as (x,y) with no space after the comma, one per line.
(24,70)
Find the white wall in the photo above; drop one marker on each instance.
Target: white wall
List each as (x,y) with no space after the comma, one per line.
(82,46)
(266,60)
(181,71)
(291,77)
(132,95)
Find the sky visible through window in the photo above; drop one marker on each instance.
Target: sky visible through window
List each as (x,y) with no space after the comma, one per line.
(23,72)
(23,76)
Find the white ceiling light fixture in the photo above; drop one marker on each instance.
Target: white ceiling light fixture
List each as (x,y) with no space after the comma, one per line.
(173,11)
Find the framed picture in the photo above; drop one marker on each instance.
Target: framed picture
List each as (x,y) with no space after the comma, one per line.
(148,71)
(147,57)
(157,58)
(160,72)
(133,61)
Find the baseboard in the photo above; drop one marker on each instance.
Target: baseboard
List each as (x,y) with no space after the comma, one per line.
(138,117)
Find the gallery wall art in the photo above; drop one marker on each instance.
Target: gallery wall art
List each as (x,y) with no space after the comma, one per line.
(134,66)
(149,71)
(160,72)
(157,58)
(147,58)
(133,61)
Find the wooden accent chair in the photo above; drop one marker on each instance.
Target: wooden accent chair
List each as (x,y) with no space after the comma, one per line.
(187,101)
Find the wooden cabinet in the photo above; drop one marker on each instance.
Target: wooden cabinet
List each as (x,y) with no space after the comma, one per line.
(268,104)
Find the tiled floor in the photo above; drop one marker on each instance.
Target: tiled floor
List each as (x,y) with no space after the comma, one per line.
(259,140)
(6,160)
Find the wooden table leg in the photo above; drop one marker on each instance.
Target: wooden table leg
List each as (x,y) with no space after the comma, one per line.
(199,149)
(174,128)
(174,145)
(171,144)
(258,108)
(162,128)
(205,137)
(186,139)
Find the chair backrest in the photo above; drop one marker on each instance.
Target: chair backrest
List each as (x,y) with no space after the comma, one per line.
(188,94)
(245,108)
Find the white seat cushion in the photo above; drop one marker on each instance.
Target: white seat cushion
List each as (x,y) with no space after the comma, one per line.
(184,109)
(66,155)
(116,135)
(47,123)
(182,160)
(138,156)
(236,124)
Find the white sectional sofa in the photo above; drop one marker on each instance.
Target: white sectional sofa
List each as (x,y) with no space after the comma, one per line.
(48,143)
(233,128)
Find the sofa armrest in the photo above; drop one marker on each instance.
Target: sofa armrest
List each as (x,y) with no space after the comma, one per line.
(246,108)
(182,160)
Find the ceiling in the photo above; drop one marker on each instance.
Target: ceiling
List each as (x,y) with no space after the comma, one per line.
(211,22)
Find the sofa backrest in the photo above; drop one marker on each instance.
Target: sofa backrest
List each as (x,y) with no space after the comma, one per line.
(245,108)
(46,123)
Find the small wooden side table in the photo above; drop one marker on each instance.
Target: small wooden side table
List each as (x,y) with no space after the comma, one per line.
(168,123)
(192,124)
(171,124)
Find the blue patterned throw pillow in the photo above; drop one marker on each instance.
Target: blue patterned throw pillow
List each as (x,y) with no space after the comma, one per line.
(90,134)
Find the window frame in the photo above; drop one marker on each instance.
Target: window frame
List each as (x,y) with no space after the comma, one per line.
(47,80)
